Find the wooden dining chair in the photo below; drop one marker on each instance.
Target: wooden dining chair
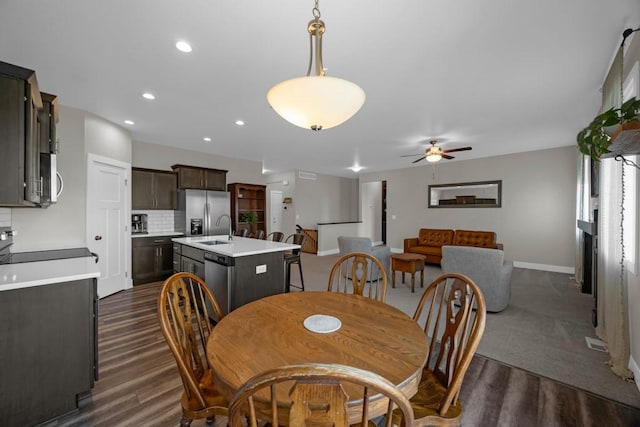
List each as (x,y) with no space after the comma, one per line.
(293,257)
(318,395)
(359,273)
(276,236)
(187,311)
(453,312)
(259,234)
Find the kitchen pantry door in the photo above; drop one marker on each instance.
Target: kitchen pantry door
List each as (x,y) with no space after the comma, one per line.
(107,232)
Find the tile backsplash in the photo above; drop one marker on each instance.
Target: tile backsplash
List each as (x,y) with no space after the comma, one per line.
(5,217)
(159,221)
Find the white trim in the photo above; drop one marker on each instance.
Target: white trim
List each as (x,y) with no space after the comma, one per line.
(633,366)
(328,252)
(545,267)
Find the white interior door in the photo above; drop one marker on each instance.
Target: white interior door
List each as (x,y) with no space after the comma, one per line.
(107,228)
(275,211)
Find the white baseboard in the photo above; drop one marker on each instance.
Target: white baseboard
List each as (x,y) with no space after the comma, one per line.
(633,366)
(518,264)
(545,267)
(328,252)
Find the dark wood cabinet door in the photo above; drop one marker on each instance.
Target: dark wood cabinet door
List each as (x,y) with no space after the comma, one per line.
(165,260)
(144,263)
(165,189)
(142,189)
(49,357)
(197,178)
(215,180)
(198,269)
(190,178)
(48,122)
(20,112)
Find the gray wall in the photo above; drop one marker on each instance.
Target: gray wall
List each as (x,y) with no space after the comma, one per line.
(275,181)
(325,199)
(62,225)
(155,156)
(536,222)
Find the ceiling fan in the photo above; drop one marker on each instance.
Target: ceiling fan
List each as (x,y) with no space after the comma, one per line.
(435,153)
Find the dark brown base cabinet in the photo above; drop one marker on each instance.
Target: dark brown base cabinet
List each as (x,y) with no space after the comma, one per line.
(48,351)
(151,259)
(188,259)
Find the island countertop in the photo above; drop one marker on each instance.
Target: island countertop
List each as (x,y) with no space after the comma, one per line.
(27,274)
(237,247)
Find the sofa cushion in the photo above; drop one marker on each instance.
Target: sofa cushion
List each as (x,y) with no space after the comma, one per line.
(435,237)
(480,239)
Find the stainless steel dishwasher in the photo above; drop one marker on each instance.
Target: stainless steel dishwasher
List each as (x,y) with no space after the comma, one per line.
(218,271)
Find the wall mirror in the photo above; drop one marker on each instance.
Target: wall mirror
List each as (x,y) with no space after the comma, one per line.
(482,194)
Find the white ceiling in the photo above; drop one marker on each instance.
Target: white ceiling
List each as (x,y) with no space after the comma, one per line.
(502,76)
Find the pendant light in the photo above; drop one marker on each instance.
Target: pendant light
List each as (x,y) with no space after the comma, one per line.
(316,101)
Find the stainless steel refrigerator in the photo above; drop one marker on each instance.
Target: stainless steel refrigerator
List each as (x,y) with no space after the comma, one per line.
(200,209)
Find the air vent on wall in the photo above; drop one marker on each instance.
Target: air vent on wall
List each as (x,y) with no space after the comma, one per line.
(307,175)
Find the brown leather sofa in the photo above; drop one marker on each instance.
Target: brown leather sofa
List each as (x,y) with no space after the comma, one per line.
(430,241)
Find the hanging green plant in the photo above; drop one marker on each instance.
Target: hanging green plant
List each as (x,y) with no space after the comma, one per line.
(594,140)
(249,217)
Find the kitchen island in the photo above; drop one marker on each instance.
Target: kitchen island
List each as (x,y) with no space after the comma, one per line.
(237,271)
(48,310)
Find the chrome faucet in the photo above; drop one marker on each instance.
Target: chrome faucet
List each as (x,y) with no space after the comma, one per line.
(219,220)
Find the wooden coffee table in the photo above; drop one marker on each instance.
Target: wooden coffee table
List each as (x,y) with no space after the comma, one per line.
(407,263)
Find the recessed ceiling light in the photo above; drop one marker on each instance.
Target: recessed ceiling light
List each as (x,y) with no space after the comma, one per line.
(183,46)
(129,122)
(239,122)
(356,168)
(207,139)
(148,95)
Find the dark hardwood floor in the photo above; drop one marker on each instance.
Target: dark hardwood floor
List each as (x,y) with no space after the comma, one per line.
(139,384)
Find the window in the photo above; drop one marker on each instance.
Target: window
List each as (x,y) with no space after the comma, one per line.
(630,221)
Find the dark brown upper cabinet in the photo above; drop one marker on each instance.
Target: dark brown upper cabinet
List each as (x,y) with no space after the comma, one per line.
(20,116)
(193,177)
(153,189)
(48,123)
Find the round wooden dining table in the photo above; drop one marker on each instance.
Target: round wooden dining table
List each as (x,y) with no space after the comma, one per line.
(270,333)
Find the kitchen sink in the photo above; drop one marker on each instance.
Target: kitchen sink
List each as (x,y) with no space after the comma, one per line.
(214,242)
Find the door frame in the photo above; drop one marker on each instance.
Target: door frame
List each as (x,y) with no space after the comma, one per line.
(126,207)
(269,228)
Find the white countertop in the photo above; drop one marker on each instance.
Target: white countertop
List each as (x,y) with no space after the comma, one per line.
(27,274)
(238,246)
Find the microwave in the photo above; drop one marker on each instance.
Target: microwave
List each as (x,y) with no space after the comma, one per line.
(50,180)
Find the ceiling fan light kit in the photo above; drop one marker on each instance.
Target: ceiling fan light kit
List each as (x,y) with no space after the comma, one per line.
(316,101)
(434,153)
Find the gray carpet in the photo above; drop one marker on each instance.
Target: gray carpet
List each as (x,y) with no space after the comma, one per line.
(542,331)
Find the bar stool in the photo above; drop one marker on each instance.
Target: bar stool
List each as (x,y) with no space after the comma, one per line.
(293,257)
(276,236)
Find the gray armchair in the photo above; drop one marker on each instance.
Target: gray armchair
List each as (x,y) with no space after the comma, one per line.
(363,244)
(486,267)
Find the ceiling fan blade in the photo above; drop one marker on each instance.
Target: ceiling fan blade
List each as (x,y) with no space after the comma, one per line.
(446,156)
(412,155)
(417,160)
(453,150)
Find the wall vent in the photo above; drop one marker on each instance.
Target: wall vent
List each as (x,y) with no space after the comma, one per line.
(307,175)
